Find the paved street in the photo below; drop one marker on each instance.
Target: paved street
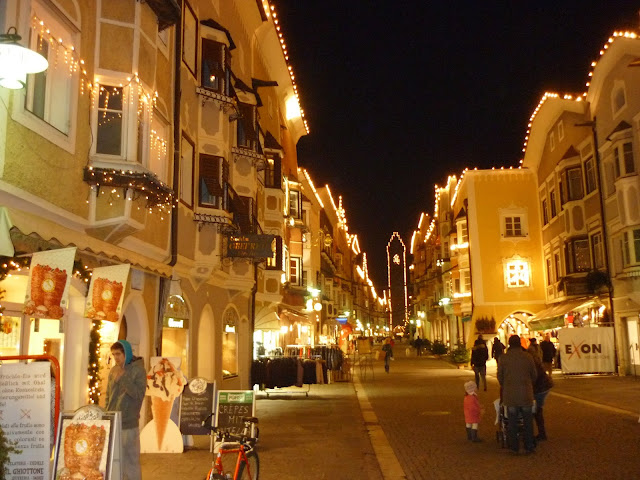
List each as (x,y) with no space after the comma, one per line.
(415,430)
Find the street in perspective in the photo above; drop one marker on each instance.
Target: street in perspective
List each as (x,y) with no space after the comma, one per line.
(409,424)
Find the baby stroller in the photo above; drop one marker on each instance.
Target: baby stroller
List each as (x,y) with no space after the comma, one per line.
(502,421)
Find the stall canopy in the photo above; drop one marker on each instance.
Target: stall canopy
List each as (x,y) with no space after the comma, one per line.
(269,321)
(553,316)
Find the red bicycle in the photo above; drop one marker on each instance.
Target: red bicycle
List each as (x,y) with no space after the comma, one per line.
(235,457)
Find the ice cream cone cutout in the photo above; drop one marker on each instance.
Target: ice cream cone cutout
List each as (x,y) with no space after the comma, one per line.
(164,384)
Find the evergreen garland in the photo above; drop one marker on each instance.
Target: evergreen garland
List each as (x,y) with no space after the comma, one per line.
(6,448)
(94,363)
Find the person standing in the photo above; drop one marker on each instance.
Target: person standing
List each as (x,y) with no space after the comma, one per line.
(125,392)
(388,353)
(534,348)
(548,354)
(479,357)
(517,374)
(497,349)
(541,389)
(472,411)
(418,344)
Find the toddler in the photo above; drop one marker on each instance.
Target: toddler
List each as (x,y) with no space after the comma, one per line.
(472,410)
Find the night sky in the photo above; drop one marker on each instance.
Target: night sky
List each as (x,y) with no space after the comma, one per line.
(402,93)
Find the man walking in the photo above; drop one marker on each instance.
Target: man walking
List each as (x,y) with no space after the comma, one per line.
(418,344)
(125,393)
(548,354)
(479,357)
(516,374)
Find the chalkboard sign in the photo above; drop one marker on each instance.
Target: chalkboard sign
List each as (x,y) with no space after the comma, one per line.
(196,403)
(231,406)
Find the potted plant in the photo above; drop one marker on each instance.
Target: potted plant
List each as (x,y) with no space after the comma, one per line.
(460,355)
(6,448)
(438,348)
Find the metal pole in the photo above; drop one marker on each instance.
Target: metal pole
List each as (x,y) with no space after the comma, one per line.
(594,133)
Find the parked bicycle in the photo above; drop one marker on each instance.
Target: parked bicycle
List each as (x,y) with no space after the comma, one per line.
(235,457)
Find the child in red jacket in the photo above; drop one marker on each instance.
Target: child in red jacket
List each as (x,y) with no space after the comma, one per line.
(472,410)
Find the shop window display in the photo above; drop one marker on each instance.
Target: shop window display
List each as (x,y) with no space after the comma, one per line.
(230,344)
(9,336)
(175,330)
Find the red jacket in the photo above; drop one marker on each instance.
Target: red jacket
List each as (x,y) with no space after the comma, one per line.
(471,409)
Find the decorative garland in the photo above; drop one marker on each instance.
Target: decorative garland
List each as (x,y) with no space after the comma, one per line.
(94,362)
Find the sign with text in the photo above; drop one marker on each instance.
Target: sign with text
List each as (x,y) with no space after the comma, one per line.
(231,406)
(251,246)
(586,350)
(196,403)
(25,418)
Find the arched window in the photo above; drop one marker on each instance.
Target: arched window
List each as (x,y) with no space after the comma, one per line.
(230,323)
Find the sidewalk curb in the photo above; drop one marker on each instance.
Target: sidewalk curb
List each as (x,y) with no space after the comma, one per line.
(384,453)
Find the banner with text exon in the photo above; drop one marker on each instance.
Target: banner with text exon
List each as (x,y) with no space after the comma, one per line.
(49,280)
(586,350)
(104,300)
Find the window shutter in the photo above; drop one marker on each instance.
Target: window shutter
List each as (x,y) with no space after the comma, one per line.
(210,173)
(213,61)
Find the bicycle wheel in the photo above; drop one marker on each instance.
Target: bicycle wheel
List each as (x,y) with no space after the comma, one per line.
(253,471)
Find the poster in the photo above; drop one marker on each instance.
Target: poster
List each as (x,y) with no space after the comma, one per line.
(196,403)
(104,300)
(586,350)
(48,286)
(165,383)
(25,417)
(88,440)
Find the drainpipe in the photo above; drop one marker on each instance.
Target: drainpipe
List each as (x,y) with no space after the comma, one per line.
(177,137)
(252,317)
(605,236)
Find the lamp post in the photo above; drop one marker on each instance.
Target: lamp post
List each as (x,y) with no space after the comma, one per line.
(17,61)
(596,155)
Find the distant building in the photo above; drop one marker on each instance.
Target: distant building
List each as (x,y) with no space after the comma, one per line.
(397,268)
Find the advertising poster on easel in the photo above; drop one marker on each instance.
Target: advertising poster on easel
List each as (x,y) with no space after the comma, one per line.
(25,418)
(89,446)
(196,404)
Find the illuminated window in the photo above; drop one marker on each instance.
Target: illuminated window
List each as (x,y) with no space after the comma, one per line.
(295,206)
(49,93)
(578,257)
(230,343)
(517,274)
(275,262)
(109,121)
(215,74)
(272,171)
(175,330)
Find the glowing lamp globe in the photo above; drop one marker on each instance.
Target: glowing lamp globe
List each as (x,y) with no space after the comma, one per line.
(16,61)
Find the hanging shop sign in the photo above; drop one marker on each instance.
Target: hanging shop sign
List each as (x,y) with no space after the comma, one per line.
(251,246)
(104,300)
(48,286)
(586,350)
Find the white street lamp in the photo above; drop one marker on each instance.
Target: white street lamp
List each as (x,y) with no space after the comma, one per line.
(16,61)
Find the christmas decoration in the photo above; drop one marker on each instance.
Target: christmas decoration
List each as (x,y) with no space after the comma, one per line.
(94,362)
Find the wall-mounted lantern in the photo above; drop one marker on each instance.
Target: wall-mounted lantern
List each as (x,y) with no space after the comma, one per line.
(17,61)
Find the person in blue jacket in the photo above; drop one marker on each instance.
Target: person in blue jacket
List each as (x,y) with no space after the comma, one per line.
(125,392)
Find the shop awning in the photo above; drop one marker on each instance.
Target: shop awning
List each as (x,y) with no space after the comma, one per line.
(553,316)
(268,321)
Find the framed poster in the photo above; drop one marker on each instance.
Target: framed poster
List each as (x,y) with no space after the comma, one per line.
(88,446)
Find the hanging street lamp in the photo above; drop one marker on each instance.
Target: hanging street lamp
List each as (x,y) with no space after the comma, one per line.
(17,61)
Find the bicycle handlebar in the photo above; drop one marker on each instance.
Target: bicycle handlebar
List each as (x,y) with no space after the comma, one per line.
(224,434)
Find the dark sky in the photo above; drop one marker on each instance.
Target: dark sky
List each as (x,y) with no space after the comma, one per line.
(401,93)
